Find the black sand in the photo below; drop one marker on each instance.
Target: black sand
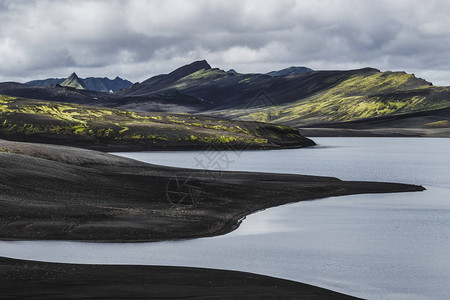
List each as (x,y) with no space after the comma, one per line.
(37,280)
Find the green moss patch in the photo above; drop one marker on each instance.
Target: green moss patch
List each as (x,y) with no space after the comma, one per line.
(27,119)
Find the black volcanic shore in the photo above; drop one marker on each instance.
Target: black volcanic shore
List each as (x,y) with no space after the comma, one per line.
(62,193)
(39,280)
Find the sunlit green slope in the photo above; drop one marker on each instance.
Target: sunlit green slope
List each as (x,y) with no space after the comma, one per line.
(358,97)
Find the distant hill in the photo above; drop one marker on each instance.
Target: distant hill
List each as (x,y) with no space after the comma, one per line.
(48,81)
(54,93)
(105,84)
(289,71)
(91,83)
(164,102)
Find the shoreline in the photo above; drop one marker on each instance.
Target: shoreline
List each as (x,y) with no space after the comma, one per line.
(41,280)
(138,147)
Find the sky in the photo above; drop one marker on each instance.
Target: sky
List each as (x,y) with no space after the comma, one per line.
(137,39)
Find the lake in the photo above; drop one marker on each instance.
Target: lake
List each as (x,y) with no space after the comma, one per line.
(376,246)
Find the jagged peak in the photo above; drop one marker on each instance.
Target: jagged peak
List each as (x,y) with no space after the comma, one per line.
(73,75)
(74,81)
(203,64)
(190,68)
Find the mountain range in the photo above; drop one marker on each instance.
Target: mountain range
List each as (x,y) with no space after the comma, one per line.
(297,96)
(91,83)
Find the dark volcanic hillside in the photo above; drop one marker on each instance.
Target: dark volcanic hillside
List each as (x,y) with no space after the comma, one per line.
(119,130)
(48,81)
(306,98)
(217,89)
(300,99)
(358,97)
(162,82)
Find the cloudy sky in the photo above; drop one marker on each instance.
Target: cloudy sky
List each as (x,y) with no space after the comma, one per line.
(138,39)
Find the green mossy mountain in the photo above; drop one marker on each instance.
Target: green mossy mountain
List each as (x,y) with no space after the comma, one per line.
(357,98)
(106,129)
(74,81)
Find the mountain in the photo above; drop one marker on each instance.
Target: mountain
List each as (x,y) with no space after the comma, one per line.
(355,98)
(289,71)
(161,82)
(91,83)
(74,81)
(361,97)
(217,89)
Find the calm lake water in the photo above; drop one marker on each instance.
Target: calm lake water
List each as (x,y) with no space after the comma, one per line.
(384,246)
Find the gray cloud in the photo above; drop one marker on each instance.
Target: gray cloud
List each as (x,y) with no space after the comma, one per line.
(138,39)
